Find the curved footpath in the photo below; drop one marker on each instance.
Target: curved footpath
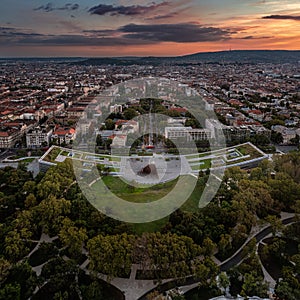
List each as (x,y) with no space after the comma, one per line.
(238,256)
(234,260)
(135,289)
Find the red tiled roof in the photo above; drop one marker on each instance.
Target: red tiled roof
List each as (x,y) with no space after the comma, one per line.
(62,131)
(240,122)
(255,111)
(121,122)
(4,134)
(235,102)
(179,109)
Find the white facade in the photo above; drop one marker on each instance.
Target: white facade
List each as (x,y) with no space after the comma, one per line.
(187,132)
(36,137)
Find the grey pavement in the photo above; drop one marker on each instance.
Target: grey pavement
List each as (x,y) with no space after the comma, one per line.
(3,165)
(267,277)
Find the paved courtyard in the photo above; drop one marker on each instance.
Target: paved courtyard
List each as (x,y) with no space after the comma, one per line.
(153,170)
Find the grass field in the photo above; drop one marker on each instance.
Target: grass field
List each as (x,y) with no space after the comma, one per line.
(51,156)
(136,194)
(154,226)
(146,195)
(205,164)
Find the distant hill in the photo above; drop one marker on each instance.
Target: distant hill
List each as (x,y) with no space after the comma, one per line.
(245,56)
(235,56)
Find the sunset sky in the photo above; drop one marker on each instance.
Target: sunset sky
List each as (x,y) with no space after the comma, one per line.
(144,28)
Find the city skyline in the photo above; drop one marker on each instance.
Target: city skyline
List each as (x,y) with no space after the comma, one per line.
(144,28)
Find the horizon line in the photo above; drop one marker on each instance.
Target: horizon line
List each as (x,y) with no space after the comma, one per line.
(143,56)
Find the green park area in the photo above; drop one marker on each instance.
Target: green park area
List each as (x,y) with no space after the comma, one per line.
(134,194)
(149,194)
(230,156)
(52,212)
(202,165)
(55,151)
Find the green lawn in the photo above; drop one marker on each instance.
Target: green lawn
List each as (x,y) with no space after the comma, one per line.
(248,150)
(148,194)
(135,194)
(206,164)
(51,156)
(154,226)
(192,204)
(115,158)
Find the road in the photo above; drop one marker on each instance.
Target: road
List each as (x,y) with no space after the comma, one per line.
(6,153)
(238,256)
(234,260)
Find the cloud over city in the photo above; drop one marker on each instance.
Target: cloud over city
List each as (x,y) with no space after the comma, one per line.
(49,7)
(282,17)
(132,10)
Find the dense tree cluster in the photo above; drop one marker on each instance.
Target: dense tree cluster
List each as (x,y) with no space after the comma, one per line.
(53,204)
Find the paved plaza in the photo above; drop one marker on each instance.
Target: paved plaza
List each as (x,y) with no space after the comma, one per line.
(153,170)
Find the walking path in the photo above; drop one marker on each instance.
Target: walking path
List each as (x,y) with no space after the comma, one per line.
(135,289)
(237,257)
(267,277)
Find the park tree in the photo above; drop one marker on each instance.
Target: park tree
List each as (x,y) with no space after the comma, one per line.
(111,255)
(284,291)
(244,209)
(175,260)
(10,292)
(56,180)
(239,234)
(23,276)
(233,175)
(296,260)
(208,247)
(276,224)
(289,164)
(29,187)
(130,113)
(92,291)
(260,140)
(154,296)
(30,201)
(15,245)
(284,190)
(62,277)
(50,213)
(4,269)
(276,137)
(224,281)
(250,248)
(206,271)
(109,124)
(276,248)
(288,288)
(262,201)
(254,286)
(72,237)
(224,244)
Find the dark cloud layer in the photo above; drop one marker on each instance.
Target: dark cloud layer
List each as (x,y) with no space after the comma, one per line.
(133,10)
(13,36)
(80,40)
(251,37)
(282,17)
(131,34)
(50,7)
(12,33)
(180,33)
(165,16)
